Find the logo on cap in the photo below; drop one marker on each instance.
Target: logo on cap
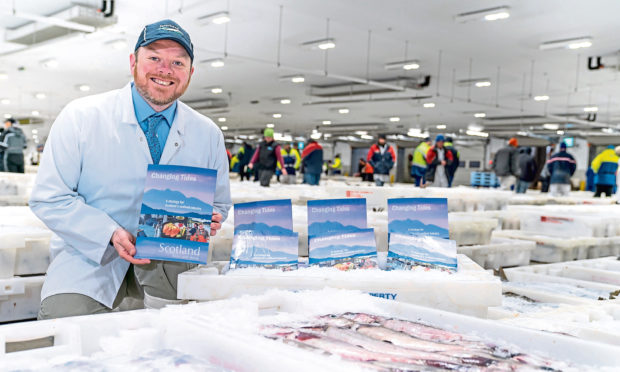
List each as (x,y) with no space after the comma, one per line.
(170,28)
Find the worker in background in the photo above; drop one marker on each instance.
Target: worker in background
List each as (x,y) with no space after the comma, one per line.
(506,164)
(244,155)
(418,168)
(438,159)
(527,170)
(292,161)
(268,153)
(312,161)
(561,167)
(337,165)
(452,167)
(605,166)
(90,182)
(12,145)
(618,178)
(381,157)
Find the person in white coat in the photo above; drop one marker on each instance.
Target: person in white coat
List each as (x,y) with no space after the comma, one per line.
(90,182)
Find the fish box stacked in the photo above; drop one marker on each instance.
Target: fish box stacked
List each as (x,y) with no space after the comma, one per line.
(15,188)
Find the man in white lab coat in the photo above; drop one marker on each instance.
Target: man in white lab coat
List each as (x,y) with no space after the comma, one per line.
(91,179)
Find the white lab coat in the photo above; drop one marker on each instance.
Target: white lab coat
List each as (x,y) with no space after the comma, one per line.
(91,181)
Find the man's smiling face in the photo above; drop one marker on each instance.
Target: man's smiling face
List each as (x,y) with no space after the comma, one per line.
(162,71)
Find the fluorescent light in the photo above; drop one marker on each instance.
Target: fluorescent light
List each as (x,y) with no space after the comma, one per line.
(224,128)
(411,64)
(476,133)
(607,130)
(35,113)
(478,82)
(322,44)
(327,122)
(361,132)
(214,62)
(327,135)
(551,126)
(40,95)
(343,111)
(366,137)
(541,98)
(3,76)
(475,127)
(489,14)
(8,116)
(441,126)
(218,18)
(590,109)
(522,133)
(483,84)
(293,78)
(49,63)
(216,90)
(5,101)
(576,43)
(429,105)
(270,125)
(34,131)
(285,101)
(83,88)
(315,135)
(221,120)
(277,116)
(560,132)
(394,119)
(117,44)
(480,115)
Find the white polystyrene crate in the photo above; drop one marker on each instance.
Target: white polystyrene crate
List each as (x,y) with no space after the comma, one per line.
(20,298)
(470,291)
(34,258)
(500,253)
(7,262)
(466,229)
(549,248)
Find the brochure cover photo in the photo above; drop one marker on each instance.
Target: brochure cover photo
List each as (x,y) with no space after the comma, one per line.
(264,236)
(407,251)
(345,251)
(175,217)
(419,216)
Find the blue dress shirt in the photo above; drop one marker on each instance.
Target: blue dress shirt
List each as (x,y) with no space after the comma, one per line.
(144,111)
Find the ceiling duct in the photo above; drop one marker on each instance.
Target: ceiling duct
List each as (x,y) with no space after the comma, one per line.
(352,89)
(77,18)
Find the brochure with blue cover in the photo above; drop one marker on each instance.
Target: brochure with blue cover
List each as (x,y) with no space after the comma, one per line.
(336,215)
(345,250)
(264,236)
(338,235)
(407,251)
(419,216)
(175,218)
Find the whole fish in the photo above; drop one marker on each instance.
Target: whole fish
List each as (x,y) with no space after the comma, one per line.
(422,331)
(404,340)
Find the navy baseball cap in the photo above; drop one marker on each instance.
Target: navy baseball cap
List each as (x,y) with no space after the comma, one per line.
(168,30)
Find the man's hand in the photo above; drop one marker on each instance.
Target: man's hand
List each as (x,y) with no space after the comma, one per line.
(443,162)
(251,165)
(284,172)
(216,223)
(124,243)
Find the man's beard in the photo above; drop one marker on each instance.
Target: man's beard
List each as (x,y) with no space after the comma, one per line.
(141,88)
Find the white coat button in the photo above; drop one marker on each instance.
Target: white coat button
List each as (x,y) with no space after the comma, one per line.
(176,144)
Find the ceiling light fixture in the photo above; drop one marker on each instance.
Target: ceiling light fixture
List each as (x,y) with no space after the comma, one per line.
(478,83)
(83,88)
(5,101)
(285,101)
(551,126)
(366,137)
(441,126)
(541,98)
(214,62)
(277,116)
(476,133)
(315,135)
(8,116)
(394,119)
(327,122)
(34,131)
(343,111)
(3,76)
(218,18)
(411,64)
(590,109)
(480,115)
(293,79)
(224,128)
(576,43)
(322,44)
(35,113)
(216,90)
(221,120)
(560,132)
(483,84)
(429,105)
(489,14)
(361,132)
(270,125)
(40,95)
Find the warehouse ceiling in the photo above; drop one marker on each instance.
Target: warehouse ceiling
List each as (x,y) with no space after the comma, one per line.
(67,53)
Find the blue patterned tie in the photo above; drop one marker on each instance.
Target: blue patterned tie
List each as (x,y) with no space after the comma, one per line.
(151,137)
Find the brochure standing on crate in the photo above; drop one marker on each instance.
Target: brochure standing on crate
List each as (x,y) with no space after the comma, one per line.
(175,218)
(418,234)
(264,236)
(338,235)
